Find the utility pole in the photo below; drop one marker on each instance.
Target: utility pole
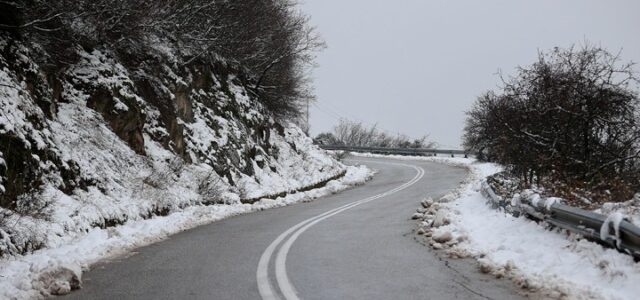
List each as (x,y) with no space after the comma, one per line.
(308,125)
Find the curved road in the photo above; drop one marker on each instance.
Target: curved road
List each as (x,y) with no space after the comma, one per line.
(357,244)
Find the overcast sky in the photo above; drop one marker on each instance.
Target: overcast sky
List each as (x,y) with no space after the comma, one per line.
(415,66)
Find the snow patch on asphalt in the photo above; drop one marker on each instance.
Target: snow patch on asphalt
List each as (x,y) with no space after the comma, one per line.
(58,270)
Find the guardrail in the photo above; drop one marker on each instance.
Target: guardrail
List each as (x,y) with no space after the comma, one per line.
(594,226)
(399,151)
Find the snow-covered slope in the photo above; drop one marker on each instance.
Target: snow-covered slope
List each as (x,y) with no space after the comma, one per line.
(101,145)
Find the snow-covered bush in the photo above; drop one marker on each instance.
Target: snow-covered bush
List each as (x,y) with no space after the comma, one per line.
(210,189)
(162,174)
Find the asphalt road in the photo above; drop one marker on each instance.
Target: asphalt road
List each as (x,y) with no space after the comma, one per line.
(357,244)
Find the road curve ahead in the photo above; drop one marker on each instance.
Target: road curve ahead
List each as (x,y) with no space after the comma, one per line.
(357,244)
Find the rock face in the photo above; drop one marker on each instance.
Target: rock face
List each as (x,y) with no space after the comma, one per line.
(123,114)
(118,139)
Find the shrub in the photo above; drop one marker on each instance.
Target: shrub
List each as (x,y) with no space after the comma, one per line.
(210,188)
(569,117)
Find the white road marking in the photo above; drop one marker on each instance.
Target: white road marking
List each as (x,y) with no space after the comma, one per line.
(288,290)
(262,275)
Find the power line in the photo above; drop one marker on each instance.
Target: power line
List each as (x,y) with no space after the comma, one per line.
(349,116)
(329,113)
(326,108)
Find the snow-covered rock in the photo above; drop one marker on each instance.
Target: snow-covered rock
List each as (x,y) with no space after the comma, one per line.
(426,203)
(442,236)
(441,218)
(58,280)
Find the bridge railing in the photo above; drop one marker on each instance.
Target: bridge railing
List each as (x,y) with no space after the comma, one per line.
(398,151)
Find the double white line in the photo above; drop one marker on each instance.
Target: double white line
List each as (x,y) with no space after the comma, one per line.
(284,284)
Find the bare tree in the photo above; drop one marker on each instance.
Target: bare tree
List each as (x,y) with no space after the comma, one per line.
(271,40)
(356,134)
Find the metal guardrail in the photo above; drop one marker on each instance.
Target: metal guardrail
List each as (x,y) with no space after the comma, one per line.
(586,223)
(399,151)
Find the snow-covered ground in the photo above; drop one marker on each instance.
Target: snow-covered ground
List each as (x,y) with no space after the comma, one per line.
(56,270)
(551,262)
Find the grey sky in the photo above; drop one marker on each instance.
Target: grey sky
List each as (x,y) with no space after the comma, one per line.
(415,66)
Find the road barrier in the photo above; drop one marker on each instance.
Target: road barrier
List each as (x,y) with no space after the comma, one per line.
(625,236)
(398,151)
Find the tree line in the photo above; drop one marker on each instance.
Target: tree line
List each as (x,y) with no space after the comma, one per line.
(570,118)
(270,39)
(357,134)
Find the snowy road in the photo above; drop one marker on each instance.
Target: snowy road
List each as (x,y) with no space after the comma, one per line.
(357,244)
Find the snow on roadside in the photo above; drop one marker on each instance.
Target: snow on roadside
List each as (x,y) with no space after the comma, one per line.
(552,263)
(57,270)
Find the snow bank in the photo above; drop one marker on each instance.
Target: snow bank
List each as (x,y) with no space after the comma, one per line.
(550,262)
(55,270)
